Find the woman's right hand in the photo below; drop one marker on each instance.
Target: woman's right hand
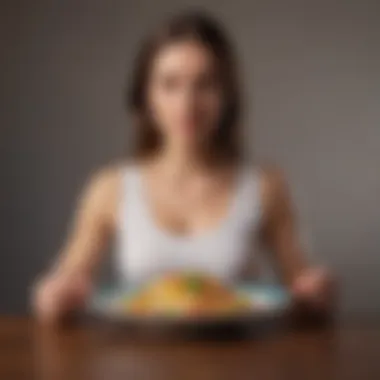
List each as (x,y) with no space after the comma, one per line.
(59,293)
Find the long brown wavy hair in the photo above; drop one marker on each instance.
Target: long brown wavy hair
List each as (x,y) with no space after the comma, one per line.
(199,27)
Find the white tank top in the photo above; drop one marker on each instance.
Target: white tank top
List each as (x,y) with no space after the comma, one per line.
(144,249)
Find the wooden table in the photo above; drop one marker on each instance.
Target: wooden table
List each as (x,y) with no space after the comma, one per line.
(31,352)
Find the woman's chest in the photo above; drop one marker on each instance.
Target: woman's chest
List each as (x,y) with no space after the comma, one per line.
(190,211)
(223,253)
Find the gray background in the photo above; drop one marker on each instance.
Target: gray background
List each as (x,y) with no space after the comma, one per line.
(311,71)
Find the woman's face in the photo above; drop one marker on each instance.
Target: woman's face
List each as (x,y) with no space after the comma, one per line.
(185,94)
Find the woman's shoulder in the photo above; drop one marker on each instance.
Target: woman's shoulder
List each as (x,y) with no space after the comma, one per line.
(107,175)
(272,182)
(106,181)
(103,189)
(269,174)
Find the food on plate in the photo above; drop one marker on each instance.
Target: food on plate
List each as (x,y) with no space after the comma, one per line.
(186,294)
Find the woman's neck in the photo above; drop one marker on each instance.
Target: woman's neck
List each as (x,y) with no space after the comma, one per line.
(180,163)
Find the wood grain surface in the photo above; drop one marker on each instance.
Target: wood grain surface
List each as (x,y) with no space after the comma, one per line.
(88,351)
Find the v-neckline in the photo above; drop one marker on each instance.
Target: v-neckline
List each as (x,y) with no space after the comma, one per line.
(208,233)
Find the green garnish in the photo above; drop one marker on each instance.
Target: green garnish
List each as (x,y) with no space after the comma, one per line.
(194,284)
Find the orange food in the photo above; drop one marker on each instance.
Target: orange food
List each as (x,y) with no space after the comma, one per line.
(186,295)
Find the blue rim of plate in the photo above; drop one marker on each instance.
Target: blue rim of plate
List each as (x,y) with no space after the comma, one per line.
(275,297)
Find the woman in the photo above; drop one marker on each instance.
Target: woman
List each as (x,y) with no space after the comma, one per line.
(188,200)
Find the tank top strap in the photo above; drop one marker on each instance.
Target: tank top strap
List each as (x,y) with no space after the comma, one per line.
(248,202)
(130,178)
(129,191)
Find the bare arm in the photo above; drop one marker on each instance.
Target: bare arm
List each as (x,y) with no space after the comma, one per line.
(67,285)
(313,286)
(279,228)
(93,224)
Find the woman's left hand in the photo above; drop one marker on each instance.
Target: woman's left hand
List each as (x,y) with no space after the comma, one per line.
(315,289)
